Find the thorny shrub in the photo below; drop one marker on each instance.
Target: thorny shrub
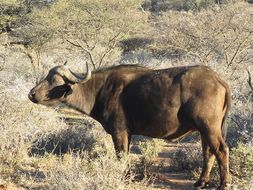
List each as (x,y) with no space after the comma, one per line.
(222,34)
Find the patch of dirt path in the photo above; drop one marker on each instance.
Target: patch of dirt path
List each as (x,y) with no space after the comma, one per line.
(166,177)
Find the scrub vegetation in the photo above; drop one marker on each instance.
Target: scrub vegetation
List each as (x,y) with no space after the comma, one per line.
(57,148)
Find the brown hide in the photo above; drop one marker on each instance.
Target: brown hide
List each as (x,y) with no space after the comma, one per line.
(167,104)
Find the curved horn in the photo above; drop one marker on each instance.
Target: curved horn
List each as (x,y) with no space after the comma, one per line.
(77,78)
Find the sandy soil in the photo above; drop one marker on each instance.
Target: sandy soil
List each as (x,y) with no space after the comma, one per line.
(167,178)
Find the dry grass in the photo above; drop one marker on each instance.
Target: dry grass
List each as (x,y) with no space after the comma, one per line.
(241,161)
(39,150)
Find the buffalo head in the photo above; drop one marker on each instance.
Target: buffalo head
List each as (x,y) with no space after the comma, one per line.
(57,85)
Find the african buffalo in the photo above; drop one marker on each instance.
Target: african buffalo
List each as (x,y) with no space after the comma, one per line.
(134,100)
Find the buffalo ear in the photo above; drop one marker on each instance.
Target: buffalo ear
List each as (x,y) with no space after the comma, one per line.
(68,90)
(60,91)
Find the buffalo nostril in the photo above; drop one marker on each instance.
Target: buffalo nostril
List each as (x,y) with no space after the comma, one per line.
(31,94)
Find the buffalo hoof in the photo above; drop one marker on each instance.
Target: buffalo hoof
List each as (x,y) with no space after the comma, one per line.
(223,187)
(200,184)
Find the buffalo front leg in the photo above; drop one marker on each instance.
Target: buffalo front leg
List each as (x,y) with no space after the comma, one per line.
(121,142)
(208,161)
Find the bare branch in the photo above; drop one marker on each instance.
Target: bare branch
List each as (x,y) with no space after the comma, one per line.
(72,43)
(32,54)
(237,123)
(238,49)
(109,48)
(3,64)
(78,44)
(250,80)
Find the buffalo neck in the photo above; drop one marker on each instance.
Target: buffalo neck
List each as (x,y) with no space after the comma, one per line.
(83,95)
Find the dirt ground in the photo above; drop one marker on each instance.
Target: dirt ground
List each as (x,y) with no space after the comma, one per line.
(168,178)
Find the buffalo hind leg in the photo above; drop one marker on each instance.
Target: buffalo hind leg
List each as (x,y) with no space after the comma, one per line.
(220,150)
(222,156)
(121,141)
(208,161)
